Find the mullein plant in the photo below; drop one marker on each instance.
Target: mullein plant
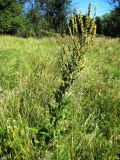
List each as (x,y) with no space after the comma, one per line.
(71,59)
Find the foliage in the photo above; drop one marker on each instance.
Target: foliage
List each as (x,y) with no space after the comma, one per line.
(33,18)
(109,24)
(99,24)
(55,12)
(12,20)
(38,22)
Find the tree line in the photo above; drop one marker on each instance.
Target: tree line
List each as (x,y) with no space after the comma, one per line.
(109,24)
(33,17)
(43,17)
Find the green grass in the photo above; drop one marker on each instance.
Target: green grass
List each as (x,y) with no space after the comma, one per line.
(17,56)
(90,127)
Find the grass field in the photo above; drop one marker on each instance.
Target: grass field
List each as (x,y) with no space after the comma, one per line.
(29,74)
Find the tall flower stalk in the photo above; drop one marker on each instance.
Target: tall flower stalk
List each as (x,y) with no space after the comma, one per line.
(70,58)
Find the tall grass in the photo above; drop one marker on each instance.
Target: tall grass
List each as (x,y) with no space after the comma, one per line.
(29,73)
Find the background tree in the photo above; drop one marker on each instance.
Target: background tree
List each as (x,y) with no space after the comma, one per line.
(25,17)
(38,22)
(36,14)
(9,13)
(99,24)
(12,20)
(109,24)
(55,12)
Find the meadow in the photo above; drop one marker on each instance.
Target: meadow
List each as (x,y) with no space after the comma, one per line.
(90,126)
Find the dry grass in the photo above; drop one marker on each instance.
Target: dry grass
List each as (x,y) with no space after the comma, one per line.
(29,74)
